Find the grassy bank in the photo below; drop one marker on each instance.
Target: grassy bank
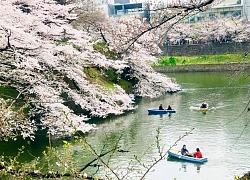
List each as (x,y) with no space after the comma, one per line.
(209,59)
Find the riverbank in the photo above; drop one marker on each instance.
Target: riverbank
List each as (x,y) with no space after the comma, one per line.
(204,68)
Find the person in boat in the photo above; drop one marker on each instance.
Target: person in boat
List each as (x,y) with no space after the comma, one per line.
(204,104)
(161,107)
(185,152)
(169,107)
(198,153)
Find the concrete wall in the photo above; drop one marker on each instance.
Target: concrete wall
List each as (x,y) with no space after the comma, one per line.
(204,68)
(246,7)
(206,49)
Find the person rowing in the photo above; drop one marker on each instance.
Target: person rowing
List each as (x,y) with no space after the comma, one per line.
(204,104)
(185,152)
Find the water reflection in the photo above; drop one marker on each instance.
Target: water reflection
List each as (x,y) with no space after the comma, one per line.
(162,115)
(198,167)
(184,167)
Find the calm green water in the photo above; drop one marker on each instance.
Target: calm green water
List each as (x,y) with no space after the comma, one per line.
(225,144)
(221,133)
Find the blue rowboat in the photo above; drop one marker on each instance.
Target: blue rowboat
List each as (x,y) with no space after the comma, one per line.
(164,111)
(177,154)
(173,91)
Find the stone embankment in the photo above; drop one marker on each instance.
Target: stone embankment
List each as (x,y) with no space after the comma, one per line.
(206,49)
(204,68)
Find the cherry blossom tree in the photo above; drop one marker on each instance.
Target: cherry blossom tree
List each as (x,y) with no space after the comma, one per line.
(48,60)
(219,29)
(132,32)
(42,51)
(43,57)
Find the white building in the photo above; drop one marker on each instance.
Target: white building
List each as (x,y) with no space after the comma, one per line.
(246,8)
(226,7)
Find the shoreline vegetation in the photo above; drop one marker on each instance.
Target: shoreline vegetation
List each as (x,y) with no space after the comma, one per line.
(202,60)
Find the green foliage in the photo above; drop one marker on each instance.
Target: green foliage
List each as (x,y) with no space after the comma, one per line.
(115,78)
(206,59)
(172,61)
(107,78)
(246,176)
(96,75)
(12,166)
(110,86)
(13,119)
(62,43)
(100,44)
(163,62)
(8,92)
(111,75)
(103,49)
(166,61)
(92,72)
(126,85)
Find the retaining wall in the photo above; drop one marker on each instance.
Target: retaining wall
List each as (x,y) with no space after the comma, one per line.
(206,49)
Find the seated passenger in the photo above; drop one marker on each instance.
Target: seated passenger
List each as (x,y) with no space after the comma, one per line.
(160,107)
(185,152)
(198,153)
(169,108)
(204,105)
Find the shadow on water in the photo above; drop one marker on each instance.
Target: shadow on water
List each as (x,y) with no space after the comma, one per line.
(185,164)
(161,115)
(112,117)
(31,148)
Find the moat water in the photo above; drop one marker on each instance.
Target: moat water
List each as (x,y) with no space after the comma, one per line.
(222,134)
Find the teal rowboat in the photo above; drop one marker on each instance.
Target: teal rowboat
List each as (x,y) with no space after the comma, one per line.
(177,154)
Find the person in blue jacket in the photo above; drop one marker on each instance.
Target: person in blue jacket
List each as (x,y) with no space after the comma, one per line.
(185,152)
